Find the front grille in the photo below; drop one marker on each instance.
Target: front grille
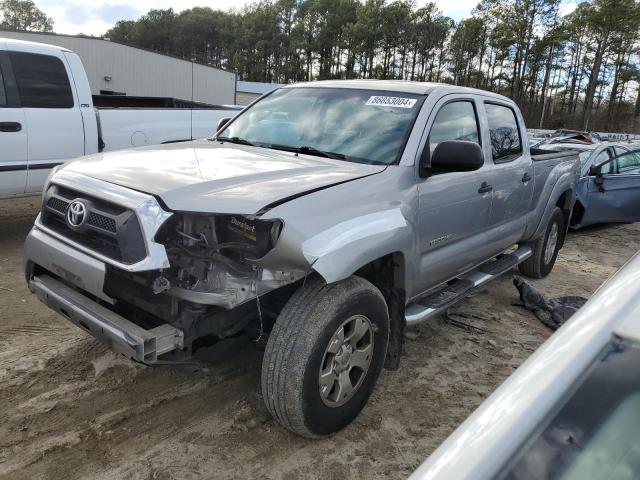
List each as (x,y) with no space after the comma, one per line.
(58,205)
(109,229)
(102,222)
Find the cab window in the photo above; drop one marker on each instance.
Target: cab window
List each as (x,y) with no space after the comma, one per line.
(506,144)
(455,121)
(42,80)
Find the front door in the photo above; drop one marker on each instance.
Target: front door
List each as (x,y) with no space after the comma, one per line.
(454,207)
(13,134)
(613,193)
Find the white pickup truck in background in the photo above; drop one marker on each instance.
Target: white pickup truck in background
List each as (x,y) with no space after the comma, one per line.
(48,116)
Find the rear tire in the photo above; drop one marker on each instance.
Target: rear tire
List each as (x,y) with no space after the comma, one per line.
(546,248)
(324,355)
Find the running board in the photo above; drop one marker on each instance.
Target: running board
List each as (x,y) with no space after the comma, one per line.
(457,289)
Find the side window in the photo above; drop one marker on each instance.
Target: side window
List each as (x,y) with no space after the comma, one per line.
(3,93)
(454,121)
(606,168)
(42,81)
(503,129)
(620,150)
(629,163)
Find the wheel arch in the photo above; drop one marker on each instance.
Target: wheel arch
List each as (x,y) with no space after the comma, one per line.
(566,202)
(387,274)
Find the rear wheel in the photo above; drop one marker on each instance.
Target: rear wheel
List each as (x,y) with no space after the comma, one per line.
(324,356)
(546,248)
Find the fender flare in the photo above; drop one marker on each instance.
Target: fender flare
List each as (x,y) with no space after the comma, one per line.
(563,185)
(343,249)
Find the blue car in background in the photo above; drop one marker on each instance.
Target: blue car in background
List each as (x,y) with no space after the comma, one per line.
(609,192)
(609,188)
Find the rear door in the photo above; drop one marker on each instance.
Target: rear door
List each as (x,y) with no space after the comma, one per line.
(512,175)
(56,131)
(613,194)
(13,133)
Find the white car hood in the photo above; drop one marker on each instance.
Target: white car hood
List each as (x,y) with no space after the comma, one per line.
(207,176)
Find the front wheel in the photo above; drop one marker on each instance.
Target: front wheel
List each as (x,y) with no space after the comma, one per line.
(324,355)
(546,248)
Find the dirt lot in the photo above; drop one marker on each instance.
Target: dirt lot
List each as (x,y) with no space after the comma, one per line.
(70,409)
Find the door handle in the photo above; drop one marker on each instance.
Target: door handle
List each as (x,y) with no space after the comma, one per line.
(10,127)
(526,177)
(485,187)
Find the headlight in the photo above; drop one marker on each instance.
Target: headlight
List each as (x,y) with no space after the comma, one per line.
(236,236)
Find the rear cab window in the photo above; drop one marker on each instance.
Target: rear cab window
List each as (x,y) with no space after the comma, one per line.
(42,80)
(506,144)
(595,433)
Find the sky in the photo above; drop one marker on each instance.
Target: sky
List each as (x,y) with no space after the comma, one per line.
(94,17)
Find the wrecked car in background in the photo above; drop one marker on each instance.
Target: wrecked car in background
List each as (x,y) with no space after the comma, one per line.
(609,188)
(610,192)
(325,217)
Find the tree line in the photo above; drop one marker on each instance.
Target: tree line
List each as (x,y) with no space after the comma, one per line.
(576,70)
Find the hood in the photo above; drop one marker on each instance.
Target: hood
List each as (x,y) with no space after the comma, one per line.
(207,176)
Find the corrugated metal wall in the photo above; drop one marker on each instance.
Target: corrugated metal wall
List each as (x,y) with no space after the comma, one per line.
(244,98)
(139,72)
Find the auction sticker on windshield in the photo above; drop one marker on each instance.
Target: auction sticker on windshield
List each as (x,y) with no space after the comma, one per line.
(398,102)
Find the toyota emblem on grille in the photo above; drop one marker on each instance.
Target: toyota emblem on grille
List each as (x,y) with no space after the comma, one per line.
(76,213)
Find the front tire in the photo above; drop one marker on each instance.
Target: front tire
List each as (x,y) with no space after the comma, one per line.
(324,355)
(546,248)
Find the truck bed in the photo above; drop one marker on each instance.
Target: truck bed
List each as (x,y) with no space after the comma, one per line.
(138,121)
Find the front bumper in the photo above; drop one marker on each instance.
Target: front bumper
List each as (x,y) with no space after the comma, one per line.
(43,252)
(120,334)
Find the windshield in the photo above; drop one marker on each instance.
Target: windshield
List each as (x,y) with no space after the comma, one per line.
(357,125)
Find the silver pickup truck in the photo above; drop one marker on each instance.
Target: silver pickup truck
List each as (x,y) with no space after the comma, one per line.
(321,222)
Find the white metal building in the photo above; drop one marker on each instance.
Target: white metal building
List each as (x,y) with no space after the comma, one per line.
(247,92)
(113,67)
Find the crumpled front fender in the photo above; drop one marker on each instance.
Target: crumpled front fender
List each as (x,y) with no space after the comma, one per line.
(341,250)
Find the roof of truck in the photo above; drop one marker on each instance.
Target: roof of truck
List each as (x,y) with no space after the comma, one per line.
(13,41)
(406,86)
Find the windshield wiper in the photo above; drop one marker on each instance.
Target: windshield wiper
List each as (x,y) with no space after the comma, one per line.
(307,150)
(238,140)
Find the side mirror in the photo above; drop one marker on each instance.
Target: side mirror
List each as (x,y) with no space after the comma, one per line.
(222,123)
(457,156)
(594,172)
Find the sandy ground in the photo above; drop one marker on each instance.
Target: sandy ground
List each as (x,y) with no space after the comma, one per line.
(71,409)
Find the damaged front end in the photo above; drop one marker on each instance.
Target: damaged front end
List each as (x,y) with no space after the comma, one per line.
(215,286)
(151,282)
(215,259)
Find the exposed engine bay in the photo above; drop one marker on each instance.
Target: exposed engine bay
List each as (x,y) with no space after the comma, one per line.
(214,288)
(213,259)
